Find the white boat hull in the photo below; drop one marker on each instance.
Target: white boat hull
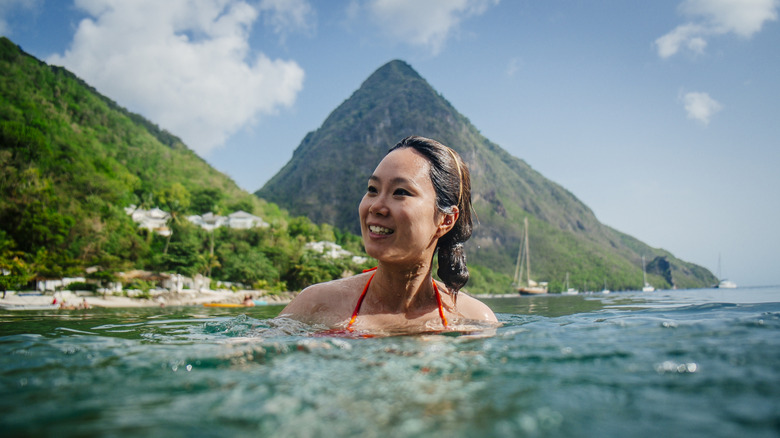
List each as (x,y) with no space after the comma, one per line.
(532,290)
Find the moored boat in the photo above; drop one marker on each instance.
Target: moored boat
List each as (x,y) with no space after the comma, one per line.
(647,286)
(526,286)
(569,290)
(722,282)
(726,284)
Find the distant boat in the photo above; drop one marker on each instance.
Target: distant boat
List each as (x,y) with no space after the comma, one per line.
(605,290)
(722,282)
(569,290)
(526,286)
(726,284)
(647,287)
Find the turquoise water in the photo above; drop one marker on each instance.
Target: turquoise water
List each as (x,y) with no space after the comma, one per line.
(698,363)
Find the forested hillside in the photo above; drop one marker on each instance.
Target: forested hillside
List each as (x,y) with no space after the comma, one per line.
(71,161)
(326,177)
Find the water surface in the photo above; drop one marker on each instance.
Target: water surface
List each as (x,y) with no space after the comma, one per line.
(686,363)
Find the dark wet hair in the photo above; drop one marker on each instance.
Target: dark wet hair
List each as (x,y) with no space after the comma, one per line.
(452,183)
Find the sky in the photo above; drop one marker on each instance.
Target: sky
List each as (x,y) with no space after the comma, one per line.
(663,117)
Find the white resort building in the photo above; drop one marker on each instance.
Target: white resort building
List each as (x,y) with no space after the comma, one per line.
(239,220)
(333,250)
(157,220)
(153,220)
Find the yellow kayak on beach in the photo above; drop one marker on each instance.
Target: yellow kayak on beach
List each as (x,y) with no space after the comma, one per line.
(255,303)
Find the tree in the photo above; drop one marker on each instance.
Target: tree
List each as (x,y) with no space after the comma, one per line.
(14,271)
(103,278)
(244,204)
(242,263)
(303,227)
(176,199)
(206,200)
(183,249)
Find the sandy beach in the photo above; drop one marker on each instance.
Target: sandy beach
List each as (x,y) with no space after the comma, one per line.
(70,299)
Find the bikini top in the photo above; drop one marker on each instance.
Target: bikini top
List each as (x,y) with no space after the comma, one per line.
(363,295)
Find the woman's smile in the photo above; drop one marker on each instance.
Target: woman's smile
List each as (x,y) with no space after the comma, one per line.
(398,211)
(376,229)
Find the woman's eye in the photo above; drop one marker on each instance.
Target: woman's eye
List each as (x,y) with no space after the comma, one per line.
(371,189)
(401,192)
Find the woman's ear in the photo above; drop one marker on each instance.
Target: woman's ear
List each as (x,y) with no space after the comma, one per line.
(448,221)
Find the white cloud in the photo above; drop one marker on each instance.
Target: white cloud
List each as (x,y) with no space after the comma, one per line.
(700,106)
(424,23)
(287,15)
(185,64)
(716,17)
(686,35)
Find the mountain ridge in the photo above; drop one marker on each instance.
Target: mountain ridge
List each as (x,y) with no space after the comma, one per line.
(325,179)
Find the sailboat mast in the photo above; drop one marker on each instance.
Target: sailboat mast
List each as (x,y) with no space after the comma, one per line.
(518,267)
(527,255)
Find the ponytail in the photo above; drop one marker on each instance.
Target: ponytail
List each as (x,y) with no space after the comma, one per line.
(452,183)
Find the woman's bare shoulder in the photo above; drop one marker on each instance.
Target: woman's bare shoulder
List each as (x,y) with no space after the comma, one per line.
(472,308)
(325,302)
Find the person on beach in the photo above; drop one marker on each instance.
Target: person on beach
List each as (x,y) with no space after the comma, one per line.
(418,202)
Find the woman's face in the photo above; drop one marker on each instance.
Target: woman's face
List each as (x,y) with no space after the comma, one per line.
(398,216)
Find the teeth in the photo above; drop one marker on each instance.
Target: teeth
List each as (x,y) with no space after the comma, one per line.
(380,230)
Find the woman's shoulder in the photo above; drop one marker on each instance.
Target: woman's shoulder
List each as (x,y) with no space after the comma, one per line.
(323,302)
(472,308)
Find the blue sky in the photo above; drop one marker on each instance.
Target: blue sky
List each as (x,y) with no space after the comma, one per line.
(663,116)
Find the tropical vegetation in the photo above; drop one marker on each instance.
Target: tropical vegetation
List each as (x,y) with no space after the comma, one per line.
(71,160)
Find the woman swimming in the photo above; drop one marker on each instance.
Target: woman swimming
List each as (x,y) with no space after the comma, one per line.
(418,201)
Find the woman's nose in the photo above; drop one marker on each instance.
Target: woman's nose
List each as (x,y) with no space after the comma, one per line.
(378,207)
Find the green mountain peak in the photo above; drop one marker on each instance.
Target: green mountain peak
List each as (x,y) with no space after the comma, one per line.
(326,177)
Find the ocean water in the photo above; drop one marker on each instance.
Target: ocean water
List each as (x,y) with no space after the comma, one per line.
(692,363)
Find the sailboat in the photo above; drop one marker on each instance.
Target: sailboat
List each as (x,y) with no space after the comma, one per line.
(647,287)
(605,290)
(569,290)
(526,286)
(722,282)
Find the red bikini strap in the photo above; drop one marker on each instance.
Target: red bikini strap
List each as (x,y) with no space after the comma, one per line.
(365,290)
(438,300)
(360,302)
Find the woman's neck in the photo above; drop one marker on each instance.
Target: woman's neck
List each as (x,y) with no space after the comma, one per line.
(403,289)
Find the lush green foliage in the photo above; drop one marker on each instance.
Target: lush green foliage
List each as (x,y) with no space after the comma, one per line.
(71,160)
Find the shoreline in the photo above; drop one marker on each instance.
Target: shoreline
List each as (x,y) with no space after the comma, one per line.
(74,299)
